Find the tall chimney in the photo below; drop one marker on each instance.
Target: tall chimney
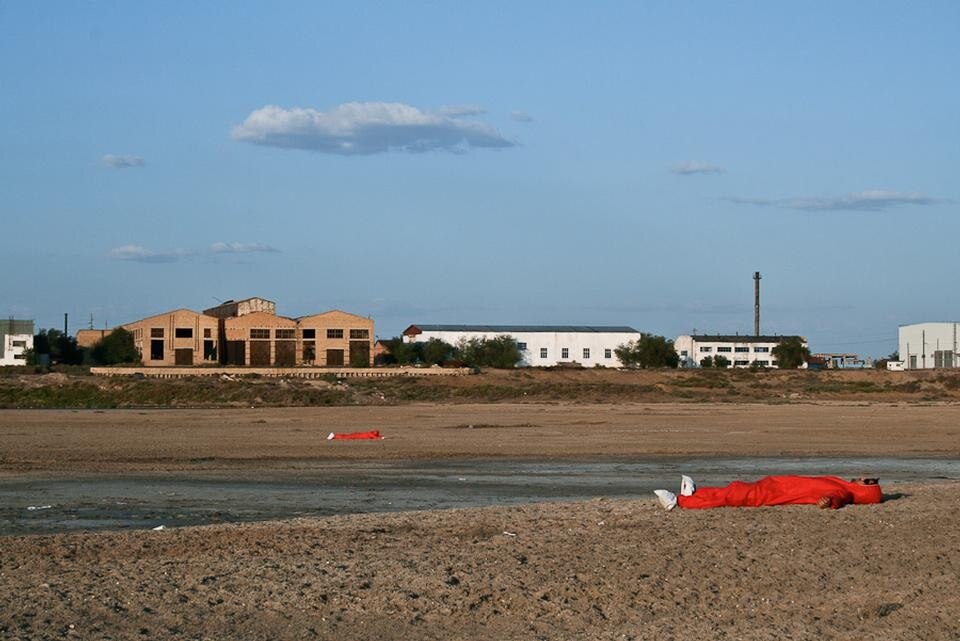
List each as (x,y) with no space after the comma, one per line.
(756,303)
(65,332)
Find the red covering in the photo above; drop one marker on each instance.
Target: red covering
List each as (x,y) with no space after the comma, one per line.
(371,435)
(782,490)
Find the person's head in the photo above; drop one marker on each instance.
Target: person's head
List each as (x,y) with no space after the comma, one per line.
(866,489)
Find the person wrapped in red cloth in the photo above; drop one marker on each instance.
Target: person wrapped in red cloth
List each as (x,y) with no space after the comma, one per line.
(372,435)
(822,491)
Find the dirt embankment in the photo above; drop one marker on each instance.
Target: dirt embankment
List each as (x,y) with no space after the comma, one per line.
(519,385)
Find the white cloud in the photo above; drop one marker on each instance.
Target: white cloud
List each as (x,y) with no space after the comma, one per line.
(874,200)
(240,248)
(141,254)
(692,167)
(360,128)
(521,116)
(458,111)
(122,162)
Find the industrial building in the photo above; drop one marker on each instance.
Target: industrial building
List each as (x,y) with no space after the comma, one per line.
(540,345)
(740,351)
(16,337)
(929,345)
(248,333)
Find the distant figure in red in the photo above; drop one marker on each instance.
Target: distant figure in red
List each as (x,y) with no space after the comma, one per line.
(373,435)
(822,491)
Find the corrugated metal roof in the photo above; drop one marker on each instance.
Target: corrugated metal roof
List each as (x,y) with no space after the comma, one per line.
(717,338)
(516,329)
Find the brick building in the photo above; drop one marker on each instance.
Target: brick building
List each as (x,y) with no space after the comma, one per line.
(249,333)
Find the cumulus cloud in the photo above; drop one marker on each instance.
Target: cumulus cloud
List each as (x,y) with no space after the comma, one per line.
(240,248)
(363,128)
(692,167)
(122,162)
(875,200)
(139,254)
(521,116)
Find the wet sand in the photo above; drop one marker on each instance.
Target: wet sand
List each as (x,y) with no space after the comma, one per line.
(595,569)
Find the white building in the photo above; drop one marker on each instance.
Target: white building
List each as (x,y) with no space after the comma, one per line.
(540,345)
(929,345)
(16,337)
(740,351)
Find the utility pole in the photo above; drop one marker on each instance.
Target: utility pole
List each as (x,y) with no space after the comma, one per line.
(756,303)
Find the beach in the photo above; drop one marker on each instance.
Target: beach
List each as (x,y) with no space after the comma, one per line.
(601,568)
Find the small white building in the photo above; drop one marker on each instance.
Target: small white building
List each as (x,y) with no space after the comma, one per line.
(929,345)
(740,351)
(16,337)
(540,345)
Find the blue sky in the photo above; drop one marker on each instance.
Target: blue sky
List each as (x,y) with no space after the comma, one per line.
(552,163)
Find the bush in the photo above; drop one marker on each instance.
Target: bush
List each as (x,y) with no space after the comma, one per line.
(648,351)
(116,348)
(500,351)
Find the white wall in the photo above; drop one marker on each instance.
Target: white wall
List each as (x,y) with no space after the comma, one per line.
(598,344)
(920,342)
(692,351)
(14,347)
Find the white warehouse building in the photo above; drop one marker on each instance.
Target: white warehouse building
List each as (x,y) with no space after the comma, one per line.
(929,345)
(540,345)
(16,337)
(740,351)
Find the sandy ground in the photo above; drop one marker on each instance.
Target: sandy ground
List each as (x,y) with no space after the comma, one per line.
(159,440)
(600,569)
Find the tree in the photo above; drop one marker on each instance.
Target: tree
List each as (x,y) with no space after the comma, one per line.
(791,353)
(435,351)
(500,351)
(61,348)
(115,348)
(706,362)
(721,361)
(648,351)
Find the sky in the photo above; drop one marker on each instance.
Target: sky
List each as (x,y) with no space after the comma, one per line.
(550,163)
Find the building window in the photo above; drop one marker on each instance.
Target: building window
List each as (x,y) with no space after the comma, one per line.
(310,333)
(741,350)
(761,363)
(723,349)
(586,352)
(564,352)
(334,333)
(19,343)
(284,333)
(774,363)
(156,332)
(156,350)
(19,357)
(207,332)
(762,350)
(683,353)
(259,333)
(740,363)
(359,333)
(705,348)
(183,332)
(543,352)
(522,346)
(309,352)
(608,353)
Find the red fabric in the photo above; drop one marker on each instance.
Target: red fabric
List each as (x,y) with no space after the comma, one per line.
(782,490)
(372,435)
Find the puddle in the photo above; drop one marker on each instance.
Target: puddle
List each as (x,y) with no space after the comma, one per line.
(323,489)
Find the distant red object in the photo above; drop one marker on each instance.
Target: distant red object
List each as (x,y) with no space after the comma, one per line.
(373,435)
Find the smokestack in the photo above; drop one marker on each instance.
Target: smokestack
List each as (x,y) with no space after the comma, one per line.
(756,303)
(65,332)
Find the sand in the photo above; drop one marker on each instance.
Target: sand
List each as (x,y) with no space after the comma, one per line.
(598,569)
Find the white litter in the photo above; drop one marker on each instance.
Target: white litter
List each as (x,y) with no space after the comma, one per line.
(509,533)
(159,528)
(34,508)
